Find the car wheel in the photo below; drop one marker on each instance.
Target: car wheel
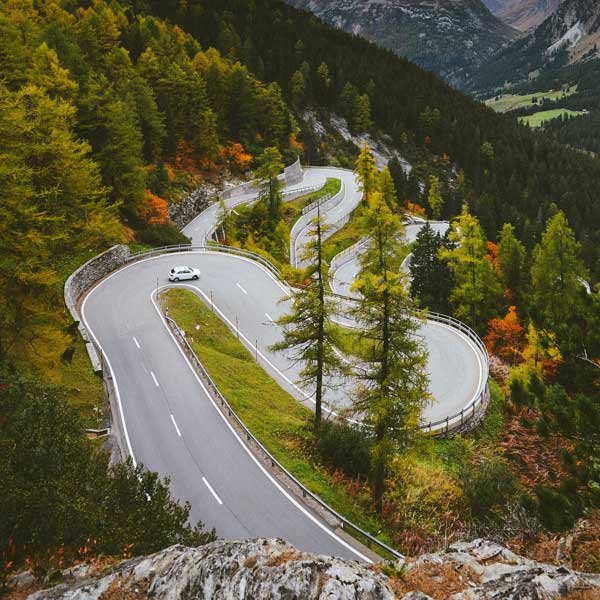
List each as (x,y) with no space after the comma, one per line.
(175,278)
(195,277)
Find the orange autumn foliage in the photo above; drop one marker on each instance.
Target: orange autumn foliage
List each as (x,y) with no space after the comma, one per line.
(506,338)
(294,143)
(155,209)
(413,207)
(185,158)
(492,255)
(235,156)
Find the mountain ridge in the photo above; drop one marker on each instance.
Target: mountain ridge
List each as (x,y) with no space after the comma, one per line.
(448,37)
(571,35)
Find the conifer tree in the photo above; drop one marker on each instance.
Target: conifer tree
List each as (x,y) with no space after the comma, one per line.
(511,260)
(477,291)
(394,383)
(306,330)
(387,188)
(361,114)
(556,274)
(400,180)
(366,172)
(431,278)
(269,166)
(436,202)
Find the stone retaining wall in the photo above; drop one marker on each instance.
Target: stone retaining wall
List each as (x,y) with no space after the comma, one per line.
(181,213)
(83,278)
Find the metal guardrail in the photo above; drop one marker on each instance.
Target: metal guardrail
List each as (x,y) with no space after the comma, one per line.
(206,248)
(318,202)
(304,221)
(469,412)
(220,399)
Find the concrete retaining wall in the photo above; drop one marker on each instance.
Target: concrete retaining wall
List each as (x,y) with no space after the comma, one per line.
(293,174)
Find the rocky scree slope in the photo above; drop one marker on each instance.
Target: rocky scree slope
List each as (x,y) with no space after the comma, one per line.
(271,568)
(449,37)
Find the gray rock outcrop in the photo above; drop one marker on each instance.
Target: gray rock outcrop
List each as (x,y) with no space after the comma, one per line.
(271,568)
(263,568)
(492,572)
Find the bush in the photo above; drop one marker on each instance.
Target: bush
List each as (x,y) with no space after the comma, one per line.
(345,447)
(59,491)
(555,510)
(162,235)
(488,487)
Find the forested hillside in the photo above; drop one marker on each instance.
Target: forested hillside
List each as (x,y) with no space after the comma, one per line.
(511,174)
(111,112)
(105,115)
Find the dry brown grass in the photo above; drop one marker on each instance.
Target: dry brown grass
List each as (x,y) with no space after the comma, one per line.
(535,459)
(283,557)
(438,581)
(118,590)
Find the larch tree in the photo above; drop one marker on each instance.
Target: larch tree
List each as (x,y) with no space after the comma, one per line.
(269,166)
(477,290)
(556,274)
(436,201)
(394,383)
(366,172)
(51,202)
(307,328)
(388,189)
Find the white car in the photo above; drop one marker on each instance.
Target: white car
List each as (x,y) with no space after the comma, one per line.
(182,273)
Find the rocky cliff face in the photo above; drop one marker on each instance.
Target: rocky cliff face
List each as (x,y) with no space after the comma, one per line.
(263,568)
(446,36)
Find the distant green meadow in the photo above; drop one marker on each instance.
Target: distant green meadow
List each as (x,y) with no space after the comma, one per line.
(538,118)
(507,102)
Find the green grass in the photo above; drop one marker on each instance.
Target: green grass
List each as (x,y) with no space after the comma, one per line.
(345,237)
(332,186)
(537,119)
(508,102)
(84,388)
(277,419)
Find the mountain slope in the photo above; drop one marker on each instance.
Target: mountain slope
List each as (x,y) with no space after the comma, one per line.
(570,36)
(445,36)
(523,15)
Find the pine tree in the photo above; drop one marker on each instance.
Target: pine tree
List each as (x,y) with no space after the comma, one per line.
(297,88)
(511,261)
(394,383)
(366,172)
(400,180)
(477,291)
(361,114)
(431,278)
(306,330)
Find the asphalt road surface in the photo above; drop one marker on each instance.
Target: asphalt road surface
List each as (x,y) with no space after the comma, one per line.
(171,423)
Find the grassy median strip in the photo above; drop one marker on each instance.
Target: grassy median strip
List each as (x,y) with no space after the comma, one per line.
(279,421)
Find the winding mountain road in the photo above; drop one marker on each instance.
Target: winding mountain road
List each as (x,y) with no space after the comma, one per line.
(171,423)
